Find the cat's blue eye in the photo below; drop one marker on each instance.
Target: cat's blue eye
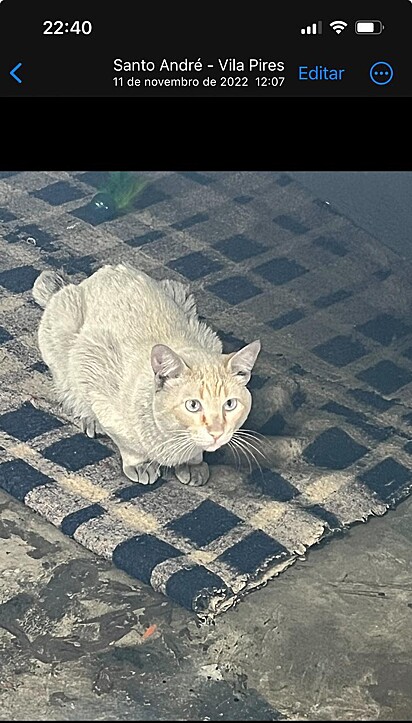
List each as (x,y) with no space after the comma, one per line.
(193,405)
(230,405)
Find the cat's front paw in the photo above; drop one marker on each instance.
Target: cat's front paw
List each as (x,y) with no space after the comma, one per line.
(91,427)
(195,475)
(144,474)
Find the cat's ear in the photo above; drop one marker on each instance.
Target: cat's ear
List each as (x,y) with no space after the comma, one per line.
(166,364)
(241,363)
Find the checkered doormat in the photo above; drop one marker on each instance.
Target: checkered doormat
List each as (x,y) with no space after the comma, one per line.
(332,388)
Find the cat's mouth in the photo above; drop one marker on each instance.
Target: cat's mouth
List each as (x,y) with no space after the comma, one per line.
(214,445)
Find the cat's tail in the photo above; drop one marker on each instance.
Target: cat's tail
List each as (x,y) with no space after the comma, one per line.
(46,284)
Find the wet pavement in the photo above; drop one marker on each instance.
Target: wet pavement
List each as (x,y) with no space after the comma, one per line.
(81,641)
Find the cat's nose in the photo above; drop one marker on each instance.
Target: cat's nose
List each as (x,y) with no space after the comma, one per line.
(216,436)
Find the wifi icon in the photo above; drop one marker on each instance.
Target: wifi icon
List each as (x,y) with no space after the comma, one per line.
(338,26)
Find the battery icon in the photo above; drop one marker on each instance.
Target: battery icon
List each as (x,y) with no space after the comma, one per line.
(368,27)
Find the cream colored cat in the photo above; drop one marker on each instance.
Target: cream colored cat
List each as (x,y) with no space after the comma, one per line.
(131,359)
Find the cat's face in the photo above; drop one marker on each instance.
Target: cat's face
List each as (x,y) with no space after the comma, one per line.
(205,403)
(211,406)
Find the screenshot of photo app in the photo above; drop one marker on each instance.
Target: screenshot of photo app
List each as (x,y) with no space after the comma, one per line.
(205,361)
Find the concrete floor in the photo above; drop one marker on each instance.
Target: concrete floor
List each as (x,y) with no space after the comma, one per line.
(329,639)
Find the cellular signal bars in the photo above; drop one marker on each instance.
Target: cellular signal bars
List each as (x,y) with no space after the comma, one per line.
(314,29)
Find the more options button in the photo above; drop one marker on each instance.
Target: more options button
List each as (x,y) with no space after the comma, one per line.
(381,73)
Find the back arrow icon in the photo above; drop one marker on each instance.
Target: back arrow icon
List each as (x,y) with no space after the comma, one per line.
(13,72)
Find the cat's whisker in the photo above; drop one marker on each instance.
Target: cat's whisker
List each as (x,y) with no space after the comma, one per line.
(177,436)
(248,444)
(252,435)
(247,441)
(171,445)
(257,462)
(244,445)
(176,456)
(183,448)
(241,449)
(253,432)
(234,452)
(184,455)
(247,438)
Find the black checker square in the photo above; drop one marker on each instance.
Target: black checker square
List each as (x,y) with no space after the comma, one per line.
(4,335)
(197,177)
(131,492)
(81,264)
(90,213)
(193,586)
(215,458)
(194,266)
(190,221)
(239,247)
(252,553)
(39,366)
(274,425)
(148,197)
(18,478)
(273,485)
(145,238)
(72,521)
(334,449)
(97,179)
(382,274)
(6,216)
(298,369)
(286,319)
(280,271)
(329,299)
(321,513)
(386,376)
(234,290)
(76,452)
(28,422)
(230,342)
(139,555)
(371,399)
(256,382)
(331,244)
(58,193)
(384,329)
(19,279)
(205,523)
(284,180)
(387,478)
(42,238)
(291,224)
(243,199)
(340,350)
